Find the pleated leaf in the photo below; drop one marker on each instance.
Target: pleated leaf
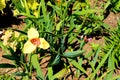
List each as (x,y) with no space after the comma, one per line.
(56,60)
(73,54)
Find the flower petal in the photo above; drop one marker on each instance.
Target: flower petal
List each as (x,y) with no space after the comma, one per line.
(44,44)
(28,47)
(33,33)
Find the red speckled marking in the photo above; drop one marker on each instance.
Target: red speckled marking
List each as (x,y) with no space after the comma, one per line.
(35,41)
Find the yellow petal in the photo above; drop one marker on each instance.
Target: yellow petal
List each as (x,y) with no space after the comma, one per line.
(13,45)
(2,4)
(28,47)
(44,44)
(34,6)
(17,34)
(15,12)
(33,33)
(36,13)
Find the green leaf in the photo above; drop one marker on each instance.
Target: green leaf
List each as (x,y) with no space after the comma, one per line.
(6,65)
(59,74)
(116,77)
(12,52)
(77,65)
(93,62)
(103,75)
(56,60)
(4,48)
(89,54)
(73,54)
(58,10)
(109,75)
(58,25)
(20,6)
(44,10)
(36,65)
(19,74)
(26,15)
(83,12)
(10,57)
(50,73)
(23,32)
(6,77)
(26,7)
(91,76)
(111,66)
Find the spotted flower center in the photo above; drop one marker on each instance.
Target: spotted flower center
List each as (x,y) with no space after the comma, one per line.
(35,41)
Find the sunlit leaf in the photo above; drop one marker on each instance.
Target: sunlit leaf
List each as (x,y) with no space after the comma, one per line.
(36,65)
(61,73)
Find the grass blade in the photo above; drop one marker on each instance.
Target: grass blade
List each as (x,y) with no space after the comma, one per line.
(100,64)
(77,65)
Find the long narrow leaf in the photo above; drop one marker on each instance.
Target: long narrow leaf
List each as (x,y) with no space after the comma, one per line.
(10,57)
(92,63)
(100,64)
(26,7)
(50,73)
(77,65)
(44,10)
(59,74)
(6,65)
(36,65)
(73,54)
(19,74)
(86,12)
(56,60)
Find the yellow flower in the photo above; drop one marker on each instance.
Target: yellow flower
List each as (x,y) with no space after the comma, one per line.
(16,34)
(36,14)
(2,4)
(15,12)
(6,37)
(34,41)
(33,5)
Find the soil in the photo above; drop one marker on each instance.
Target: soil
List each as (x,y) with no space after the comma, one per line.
(111,20)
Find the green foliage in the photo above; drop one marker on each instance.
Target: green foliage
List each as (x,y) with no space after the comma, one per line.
(63,23)
(6,77)
(73,54)
(114,40)
(35,64)
(101,63)
(115,5)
